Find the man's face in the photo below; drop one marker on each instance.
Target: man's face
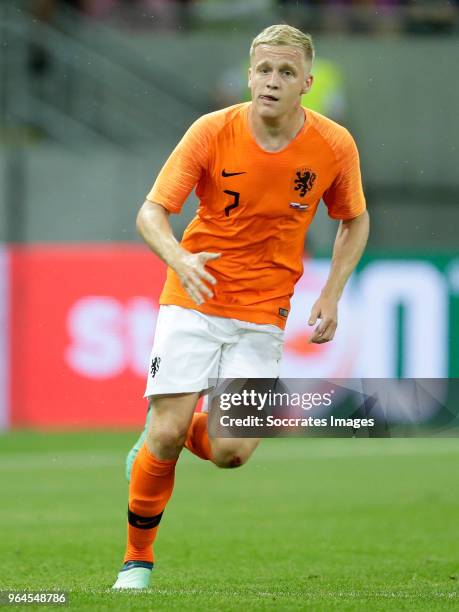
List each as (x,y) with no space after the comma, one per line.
(278,76)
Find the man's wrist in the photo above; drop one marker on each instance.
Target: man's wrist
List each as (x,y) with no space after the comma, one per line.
(331,293)
(175,257)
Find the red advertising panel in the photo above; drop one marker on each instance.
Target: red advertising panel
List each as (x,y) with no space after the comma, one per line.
(82,327)
(80,322)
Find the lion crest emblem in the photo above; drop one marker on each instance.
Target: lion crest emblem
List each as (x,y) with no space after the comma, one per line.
(304,180)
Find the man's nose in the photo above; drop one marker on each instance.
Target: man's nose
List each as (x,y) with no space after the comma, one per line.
(274,80)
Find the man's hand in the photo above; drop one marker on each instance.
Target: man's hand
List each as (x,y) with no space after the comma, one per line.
(190,268)
(350,241)
(326,309)
(154,227)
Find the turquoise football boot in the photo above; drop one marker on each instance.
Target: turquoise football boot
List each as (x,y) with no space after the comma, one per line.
(134,575)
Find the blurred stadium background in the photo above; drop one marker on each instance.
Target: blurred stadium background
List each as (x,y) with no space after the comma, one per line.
(95,93)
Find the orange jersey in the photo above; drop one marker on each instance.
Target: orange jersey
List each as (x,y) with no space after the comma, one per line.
(255,207)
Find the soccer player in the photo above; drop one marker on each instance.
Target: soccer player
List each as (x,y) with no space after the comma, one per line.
(260,170)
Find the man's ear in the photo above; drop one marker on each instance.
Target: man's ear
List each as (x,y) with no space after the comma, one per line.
(307,84)
(249,77)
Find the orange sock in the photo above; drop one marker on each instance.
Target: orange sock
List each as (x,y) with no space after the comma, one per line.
(152,481)
(197,440)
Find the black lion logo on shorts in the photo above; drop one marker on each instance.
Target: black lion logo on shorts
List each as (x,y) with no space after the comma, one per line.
(304,181)
(154,367)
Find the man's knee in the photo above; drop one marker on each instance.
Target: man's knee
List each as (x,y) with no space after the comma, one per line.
(229,460)
(169,436)
(166,437)
(229,457)
(169,424)
(232,453)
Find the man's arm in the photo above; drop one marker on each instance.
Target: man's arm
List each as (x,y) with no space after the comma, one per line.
(350,242)
(154,227)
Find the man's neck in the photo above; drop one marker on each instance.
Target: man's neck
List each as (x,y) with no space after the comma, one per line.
(274,134)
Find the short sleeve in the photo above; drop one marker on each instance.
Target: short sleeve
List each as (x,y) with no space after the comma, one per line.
(344,198)
(184,167)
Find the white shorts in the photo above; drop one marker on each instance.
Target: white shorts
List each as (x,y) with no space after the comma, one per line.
(191,347)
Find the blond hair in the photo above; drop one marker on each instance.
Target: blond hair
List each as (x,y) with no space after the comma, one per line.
(282,34)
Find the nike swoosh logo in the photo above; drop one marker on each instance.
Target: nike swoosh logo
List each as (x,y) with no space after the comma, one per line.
(231,173)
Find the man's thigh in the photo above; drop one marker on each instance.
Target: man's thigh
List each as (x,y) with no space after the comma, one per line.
(256,354)
(185,354)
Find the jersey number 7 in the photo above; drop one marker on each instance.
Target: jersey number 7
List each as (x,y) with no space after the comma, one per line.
(235,202)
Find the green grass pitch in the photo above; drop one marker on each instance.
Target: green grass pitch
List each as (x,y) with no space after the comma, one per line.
(305,525)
